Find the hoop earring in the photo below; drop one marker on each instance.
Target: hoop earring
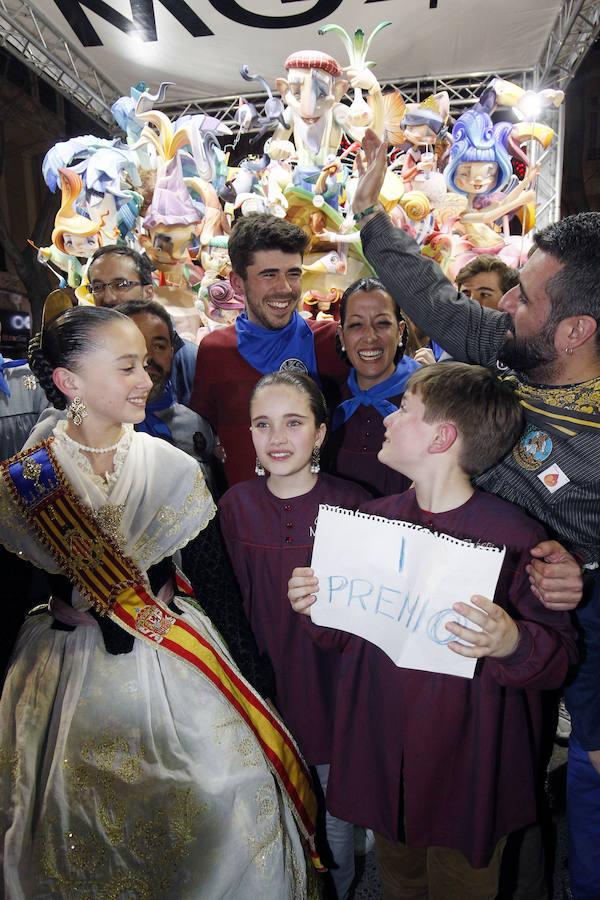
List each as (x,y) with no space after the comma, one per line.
(259,468)
(76,410)
(315,465)
(568,351)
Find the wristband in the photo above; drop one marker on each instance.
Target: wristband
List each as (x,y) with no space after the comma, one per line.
(376,207)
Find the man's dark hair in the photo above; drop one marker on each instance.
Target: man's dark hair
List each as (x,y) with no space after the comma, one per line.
(139,307)
(142,263)
(486,411)
(260,231)
(508,276)
(575,290)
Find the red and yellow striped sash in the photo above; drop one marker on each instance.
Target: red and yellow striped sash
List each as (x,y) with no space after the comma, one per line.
(115,586)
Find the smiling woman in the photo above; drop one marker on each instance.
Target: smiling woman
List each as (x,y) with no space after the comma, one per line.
(371,336)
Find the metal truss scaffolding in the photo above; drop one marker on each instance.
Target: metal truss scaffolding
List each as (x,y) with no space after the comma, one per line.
(576,28)
(26,33)
(464,91)
(35,41)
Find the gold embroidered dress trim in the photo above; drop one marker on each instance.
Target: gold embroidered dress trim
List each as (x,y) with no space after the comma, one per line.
(114,586)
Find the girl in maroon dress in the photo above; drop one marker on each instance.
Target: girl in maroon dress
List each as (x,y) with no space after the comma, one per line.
(268,524)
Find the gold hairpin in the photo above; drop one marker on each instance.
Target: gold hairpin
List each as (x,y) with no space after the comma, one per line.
(56,302)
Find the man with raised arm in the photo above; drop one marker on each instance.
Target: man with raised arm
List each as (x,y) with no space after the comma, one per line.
(545,333)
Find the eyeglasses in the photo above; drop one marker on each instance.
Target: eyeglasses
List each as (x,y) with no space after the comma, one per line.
(117,286)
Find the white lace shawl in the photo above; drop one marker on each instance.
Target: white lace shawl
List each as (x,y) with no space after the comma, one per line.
(153,504)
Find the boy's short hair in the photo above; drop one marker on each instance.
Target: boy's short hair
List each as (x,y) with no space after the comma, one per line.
(486,411)
(507,276)
(261,231)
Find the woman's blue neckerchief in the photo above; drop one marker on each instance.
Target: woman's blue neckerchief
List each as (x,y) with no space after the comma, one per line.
(376,396)
(437,350)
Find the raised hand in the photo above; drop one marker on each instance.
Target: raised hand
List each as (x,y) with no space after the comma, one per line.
(371,163)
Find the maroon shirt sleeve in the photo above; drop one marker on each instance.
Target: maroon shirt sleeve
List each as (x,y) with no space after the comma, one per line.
(267,537)
(222,387)
(547,639)
(203,396)
(399,732)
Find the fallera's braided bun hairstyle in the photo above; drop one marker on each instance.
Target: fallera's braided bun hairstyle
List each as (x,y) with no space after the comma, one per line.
(63,341)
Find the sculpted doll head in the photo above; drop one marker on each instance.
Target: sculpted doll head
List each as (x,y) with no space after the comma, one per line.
(479,161)
(314,84)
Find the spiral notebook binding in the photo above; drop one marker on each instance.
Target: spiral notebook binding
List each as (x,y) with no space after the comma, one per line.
(357,514)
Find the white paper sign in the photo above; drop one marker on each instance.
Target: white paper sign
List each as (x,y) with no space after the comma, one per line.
(394,584)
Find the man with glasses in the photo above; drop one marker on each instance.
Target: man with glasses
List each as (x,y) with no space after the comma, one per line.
(117,274)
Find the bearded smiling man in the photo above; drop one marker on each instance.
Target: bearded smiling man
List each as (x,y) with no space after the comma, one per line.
(266,256)
(546,334)
(155,324)
(271,287)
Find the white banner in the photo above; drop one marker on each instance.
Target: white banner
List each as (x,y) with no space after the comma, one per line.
(394,584)
(200,46)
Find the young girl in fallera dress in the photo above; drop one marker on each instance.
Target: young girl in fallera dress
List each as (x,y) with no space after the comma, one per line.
(132,752)
(268,524)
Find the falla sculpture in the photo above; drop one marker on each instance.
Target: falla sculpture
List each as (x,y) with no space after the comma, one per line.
(167,188)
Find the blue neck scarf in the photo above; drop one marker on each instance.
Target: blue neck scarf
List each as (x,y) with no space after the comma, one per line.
(152,424)
(8,364)
(376,396)
(267,349)
(437,350)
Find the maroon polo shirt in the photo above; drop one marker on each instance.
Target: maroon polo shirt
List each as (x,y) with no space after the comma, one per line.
(267,538)
(462,751)
(354,447)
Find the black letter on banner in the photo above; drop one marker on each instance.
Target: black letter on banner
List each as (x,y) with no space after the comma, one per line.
(142,24)
(236,13)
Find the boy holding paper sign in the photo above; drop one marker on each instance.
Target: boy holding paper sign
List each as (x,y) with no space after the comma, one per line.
(443,767)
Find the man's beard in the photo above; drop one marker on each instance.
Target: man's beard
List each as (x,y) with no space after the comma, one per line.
(534,354)
(159,385)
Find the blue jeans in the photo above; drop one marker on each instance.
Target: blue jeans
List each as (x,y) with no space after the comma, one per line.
(583,812)
(340,838)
